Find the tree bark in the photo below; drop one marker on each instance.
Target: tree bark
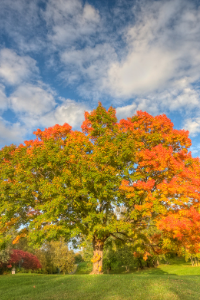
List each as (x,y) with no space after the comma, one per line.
(97,256)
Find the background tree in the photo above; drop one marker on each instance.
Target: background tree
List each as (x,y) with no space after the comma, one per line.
(63,258)
(79,257)
(68,183)
(4,257)
(21,258)
(5,248)
(45,255)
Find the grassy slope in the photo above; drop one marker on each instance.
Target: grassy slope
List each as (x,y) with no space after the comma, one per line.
(170,282)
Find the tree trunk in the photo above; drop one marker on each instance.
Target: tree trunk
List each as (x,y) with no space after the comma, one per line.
(97,256)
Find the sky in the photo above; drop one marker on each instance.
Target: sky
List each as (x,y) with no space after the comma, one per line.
(58,58)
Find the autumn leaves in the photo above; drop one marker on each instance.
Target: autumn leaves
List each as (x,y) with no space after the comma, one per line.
(72,182)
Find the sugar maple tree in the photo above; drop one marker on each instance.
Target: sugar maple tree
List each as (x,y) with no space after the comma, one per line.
(69,183)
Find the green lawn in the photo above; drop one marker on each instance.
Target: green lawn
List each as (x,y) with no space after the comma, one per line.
(171,282)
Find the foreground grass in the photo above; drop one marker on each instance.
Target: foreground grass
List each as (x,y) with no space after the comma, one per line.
(168,282)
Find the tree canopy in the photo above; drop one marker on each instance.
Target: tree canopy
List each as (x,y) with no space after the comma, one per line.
(115,178)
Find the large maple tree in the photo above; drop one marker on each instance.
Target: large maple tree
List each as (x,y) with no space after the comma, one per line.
(115,178)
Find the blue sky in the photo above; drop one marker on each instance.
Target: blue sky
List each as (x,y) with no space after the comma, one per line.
(58,58)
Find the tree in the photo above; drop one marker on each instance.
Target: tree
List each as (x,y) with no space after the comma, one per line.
(118,255)
(25,259)
(68,183)
(4,257)
(79,257)
(45,255)
(5,248)
(63,258)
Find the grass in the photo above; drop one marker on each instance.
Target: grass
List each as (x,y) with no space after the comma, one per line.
(177,281)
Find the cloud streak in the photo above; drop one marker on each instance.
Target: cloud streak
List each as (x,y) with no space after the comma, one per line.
(69,111)
(163,46)
(69,21)
(14,69)
(32,99)
(193,125)
(11,133)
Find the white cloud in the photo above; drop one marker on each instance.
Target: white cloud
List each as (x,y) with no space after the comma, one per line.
(161,55)
(126,111)
(90,14)
(195,149)
(69,111)
(89,63)
(187,98)
(180,97)
(69,21)
(193,125)
(21,23)
(150,105)
(11,132)
(162,47)
(32,99)
(140,73)
(3,98)
(14,68)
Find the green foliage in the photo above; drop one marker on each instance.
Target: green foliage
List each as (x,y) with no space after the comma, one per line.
(45,255)
(56,257)
(5,253)
(79,258)
(113,179)
(5,248)
(87,251)
(84,268)
(63,258)
(125,257)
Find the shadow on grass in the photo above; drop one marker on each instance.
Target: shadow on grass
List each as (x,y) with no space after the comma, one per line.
(152,271)
(84,268)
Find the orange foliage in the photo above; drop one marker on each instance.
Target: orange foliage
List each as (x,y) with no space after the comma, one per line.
(68,182)
(56,132)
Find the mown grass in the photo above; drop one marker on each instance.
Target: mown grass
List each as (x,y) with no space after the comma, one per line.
(178,281)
